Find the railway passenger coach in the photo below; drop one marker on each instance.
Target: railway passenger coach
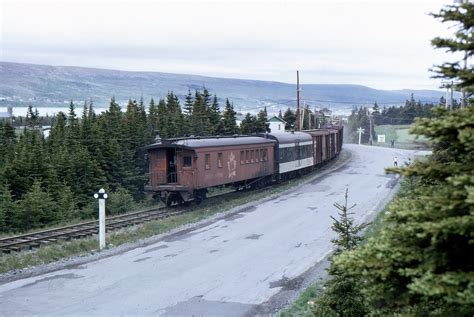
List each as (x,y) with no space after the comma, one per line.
(182,170)
(293,153)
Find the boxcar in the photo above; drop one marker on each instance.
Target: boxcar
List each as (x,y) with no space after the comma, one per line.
(320,140)
(181,170)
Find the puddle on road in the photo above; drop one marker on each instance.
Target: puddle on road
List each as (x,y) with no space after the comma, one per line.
(68,276)
(248,209)
(156,248)
(198,306)
(233,217)
(213,251)
(288,284)
(254,236)
(170,255)
(142,259)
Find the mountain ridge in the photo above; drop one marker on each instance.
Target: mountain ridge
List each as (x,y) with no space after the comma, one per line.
(46,85)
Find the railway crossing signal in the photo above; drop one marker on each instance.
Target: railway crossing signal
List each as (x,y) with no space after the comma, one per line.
(102,196)
(360,131)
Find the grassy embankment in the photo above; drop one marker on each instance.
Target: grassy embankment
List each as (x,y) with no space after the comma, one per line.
(64,249)
(400,134)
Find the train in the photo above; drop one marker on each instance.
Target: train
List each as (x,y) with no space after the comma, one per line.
(182,170)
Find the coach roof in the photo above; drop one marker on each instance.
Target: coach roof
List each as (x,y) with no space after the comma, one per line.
(192,143)
(289,137)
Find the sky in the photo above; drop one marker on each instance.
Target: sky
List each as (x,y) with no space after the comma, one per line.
(380,44)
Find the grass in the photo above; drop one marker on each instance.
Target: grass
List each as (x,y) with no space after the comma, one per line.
(64,249)
(303,305)
(401,135)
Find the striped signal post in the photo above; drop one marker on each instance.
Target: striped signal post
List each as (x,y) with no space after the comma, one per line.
(102,196)
(360,131)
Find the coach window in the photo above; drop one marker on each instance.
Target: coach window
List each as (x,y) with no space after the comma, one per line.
(265,154)
(252,156)
(247,156)
(242,157)
(261,155)
(208,161)
(187,161)
(219,159)
(257,155)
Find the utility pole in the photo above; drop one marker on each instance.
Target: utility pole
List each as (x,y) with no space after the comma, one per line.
(370,127)
(452,100)
(449,85)
(102,196)
(315,118)
(298,112)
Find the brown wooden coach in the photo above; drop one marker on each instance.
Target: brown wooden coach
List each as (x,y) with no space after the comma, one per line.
(181,170)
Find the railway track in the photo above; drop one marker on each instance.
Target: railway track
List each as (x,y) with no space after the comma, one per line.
(36,239)
(85,229)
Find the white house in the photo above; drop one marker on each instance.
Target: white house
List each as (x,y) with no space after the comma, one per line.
(7,114)
(276,124)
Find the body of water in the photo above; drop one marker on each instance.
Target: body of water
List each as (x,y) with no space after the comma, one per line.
(50,111)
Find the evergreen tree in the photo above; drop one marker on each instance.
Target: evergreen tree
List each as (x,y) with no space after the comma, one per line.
(422,262)
(37,208)
(343,296)
(200,117)
(376,115)
(152,120)
(8,210)
(187,114)
(290,119)
(261,121)
(229,125)
(249,124)
(462,15)
(215,117)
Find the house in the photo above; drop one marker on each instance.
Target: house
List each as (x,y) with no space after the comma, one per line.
(276,124)
(7,114)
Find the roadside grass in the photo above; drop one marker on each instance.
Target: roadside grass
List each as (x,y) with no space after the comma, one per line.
(64,249)
(303,305)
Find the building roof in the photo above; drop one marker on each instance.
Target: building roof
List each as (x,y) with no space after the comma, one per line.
(193,143)
(276,119)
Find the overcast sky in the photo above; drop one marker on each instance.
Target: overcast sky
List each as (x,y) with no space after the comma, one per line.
(381,44)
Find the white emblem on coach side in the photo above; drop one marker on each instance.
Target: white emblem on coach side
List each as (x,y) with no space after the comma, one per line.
(232,165)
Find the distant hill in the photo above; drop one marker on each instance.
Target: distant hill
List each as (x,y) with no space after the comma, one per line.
(40,85)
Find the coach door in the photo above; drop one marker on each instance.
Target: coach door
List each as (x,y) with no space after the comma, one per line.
(171,166)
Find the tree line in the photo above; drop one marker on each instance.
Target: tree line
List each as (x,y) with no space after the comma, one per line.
(44,181)
(362,117)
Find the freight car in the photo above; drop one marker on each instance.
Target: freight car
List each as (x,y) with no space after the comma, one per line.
(182,170)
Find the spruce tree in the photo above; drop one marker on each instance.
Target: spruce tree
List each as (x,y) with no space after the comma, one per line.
(462,15)
(342,295)
(249,124)
(229,125)
(262,118)
(290,118)
(215,117)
